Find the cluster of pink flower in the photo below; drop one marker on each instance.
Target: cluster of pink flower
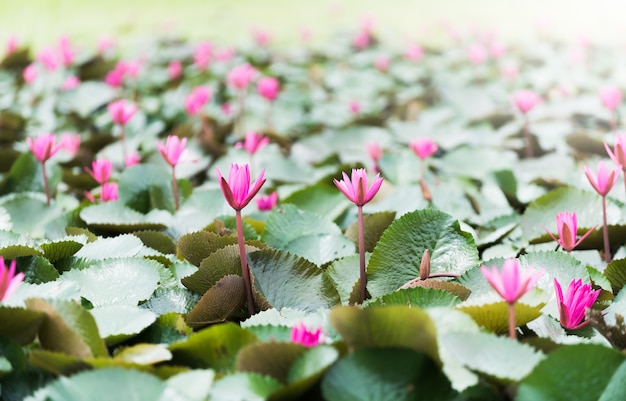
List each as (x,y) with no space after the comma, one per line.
(511,284)
(51,59)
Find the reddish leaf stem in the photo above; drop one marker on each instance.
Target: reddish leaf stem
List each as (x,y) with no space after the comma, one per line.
(363,274)
(244,262)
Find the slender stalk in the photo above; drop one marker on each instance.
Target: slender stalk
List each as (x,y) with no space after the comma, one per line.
(612,122)
(363,274)
(244,262)
(123,142)
(175,188)
(512,325)
(624,171)
(268,117)
(527,140)
(241,98)
(46,187)
(605,232)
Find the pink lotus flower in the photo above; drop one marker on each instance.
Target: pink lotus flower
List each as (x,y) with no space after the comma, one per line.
(578,298)
(497,50)
(173,149)
(267,202)
(253,143)
(374,151)
(356,188)
(355,107)
(100,170)
(121,111)
(105,44)
(30,73)
(202,55)
(301,335)
(618,155)
(66,52)
(70,83)
(611,97)
(268,88)
(237,189)
(510,71)
(477,53)
(241,76)
(567,225)
(525,100)
(132,159)
(196,99)
(13,44)
(511,284)
(123,69)
(361,40)
(414,52)
(43,146)
(424,147)
(49,59)
(9,281)
(382,63)
(261,37)
(604,181)
(174,69)
(225,54)
(70,142)
(108,192)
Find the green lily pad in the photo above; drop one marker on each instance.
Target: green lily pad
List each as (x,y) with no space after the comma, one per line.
(397,256)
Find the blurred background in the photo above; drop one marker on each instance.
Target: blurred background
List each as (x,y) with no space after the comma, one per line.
(41,22)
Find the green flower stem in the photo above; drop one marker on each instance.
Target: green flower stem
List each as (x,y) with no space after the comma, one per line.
(363,274)
(512,325)
(123,142)
(605,233)
(46,186)
(175,188)
(527,140)
(241,99)
(244,263)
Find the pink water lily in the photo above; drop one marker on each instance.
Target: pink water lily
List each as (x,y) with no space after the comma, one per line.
(70,83)
(611,97)
(578,298)
(525,100)
(121,111)
(13,43)
(238,194)
(424,147)
(236,189)
(202,55)
(603,183)
(268,88)
(70,142)
(267,202)
(241,76)
(253,142)
(30,73)
(174,69)
(605,179)
(173,149)
(100,170)
(510,283)
(567,226)
(9,281)
(108,192)
(196,99)
(356,188)
(44,146)
(618,155)
(300,334)
(374,151)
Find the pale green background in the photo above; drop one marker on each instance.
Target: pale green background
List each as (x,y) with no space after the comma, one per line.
(41,22)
